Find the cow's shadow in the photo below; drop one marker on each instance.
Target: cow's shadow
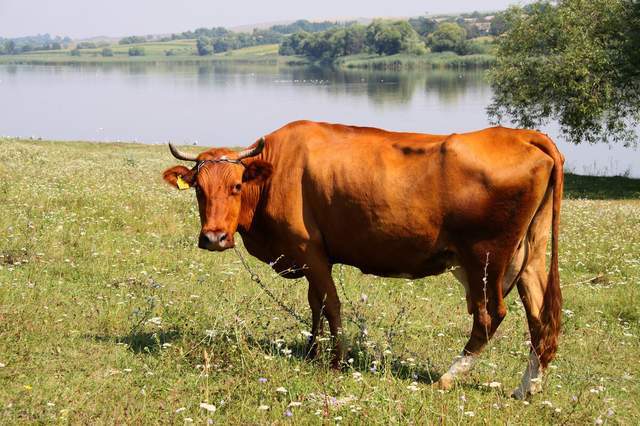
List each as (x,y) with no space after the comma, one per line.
(141,342)
(361,359)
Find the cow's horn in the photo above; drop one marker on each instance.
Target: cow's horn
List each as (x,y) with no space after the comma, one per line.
(181,155)
(252,152)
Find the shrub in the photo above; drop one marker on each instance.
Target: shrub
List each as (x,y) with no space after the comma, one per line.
(136,51)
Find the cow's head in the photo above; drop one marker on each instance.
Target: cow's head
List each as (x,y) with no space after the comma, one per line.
(227,185)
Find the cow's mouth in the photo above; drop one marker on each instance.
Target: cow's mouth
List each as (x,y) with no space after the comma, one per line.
(215,241)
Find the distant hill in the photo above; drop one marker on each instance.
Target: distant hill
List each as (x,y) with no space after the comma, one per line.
(98,40)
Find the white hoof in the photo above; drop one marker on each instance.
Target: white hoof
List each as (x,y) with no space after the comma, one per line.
(445,382)
(531,379)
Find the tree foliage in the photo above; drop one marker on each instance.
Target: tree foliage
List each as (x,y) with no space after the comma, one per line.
(391,37)
(577,62)
(381,37)
(449,36)
(136,51)
(498,24)
(423,26)
(203,46)
(132,40)
(29,43)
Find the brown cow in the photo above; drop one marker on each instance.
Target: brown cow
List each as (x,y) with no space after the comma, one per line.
(396,205)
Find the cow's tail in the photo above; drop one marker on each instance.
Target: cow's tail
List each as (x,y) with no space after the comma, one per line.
(551,311)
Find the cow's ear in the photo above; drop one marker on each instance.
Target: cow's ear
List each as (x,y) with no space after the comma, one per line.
(257,171)
(179,177)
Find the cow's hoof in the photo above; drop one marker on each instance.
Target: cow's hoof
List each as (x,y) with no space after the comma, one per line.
(525,390)
(519,394)
(311,352)
(445,383)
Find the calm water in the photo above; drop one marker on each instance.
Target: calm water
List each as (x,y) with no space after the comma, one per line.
(222,105)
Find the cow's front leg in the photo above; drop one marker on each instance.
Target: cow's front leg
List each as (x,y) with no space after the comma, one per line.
(323,300)
(316,304)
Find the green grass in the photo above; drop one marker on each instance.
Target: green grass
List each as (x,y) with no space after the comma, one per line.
(407,61)
(110,314)
(184,51)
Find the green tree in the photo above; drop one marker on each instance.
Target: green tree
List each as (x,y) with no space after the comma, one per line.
(204,47)
(107,51)
(354,39)
(382,38)
(136,51)
(498,24)
(222,44)
(10,47)
(292,45)
(389,38)
(75,52)
(448,37)
(132,40)
(577,62)
(423,26)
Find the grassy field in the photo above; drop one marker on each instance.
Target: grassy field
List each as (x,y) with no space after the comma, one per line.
(183,51)
(110,314)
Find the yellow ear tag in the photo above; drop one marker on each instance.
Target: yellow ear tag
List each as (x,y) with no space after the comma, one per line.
(182,184)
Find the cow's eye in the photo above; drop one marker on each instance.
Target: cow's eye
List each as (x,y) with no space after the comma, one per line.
(236,188)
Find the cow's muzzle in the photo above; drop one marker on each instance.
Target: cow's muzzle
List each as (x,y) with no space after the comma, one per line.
(215,241)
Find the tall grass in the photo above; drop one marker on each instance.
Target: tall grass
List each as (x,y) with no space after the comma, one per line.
(406,61)
(110,314)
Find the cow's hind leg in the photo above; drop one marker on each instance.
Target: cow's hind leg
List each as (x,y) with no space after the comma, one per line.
(532,286)
(482,277)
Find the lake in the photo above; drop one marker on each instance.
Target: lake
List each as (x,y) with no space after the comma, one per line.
(226,105)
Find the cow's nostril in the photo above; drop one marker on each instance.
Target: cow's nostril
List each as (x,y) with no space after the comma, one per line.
(223,237)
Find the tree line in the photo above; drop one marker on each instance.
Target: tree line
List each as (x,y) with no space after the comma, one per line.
(219,39)
(414,36)
(14,46)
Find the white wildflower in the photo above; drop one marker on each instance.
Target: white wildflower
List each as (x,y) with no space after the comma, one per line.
(413,387)
(155,321)
(209,407)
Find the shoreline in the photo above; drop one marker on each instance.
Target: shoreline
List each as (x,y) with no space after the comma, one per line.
(398,62)
(576,185)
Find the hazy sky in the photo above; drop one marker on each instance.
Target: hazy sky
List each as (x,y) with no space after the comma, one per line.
(87,18)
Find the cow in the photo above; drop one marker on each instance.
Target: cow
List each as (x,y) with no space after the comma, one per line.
(479,204)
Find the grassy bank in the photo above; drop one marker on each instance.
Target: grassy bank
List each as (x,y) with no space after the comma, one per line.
(184,51)
(406,61)
(110,314)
